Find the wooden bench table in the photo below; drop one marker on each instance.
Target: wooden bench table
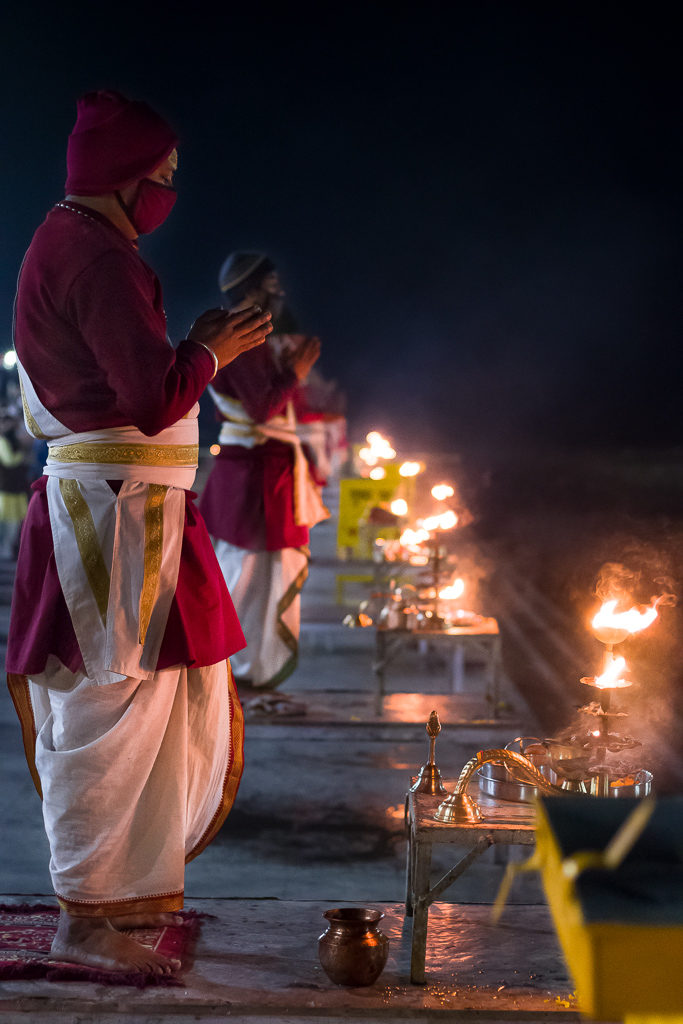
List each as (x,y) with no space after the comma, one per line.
(481,640)
(504,822)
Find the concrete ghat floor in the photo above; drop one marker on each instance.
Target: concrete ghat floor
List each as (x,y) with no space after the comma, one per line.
(257,960)
(319,822)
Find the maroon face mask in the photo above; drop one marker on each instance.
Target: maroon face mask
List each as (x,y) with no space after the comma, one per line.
(151,206)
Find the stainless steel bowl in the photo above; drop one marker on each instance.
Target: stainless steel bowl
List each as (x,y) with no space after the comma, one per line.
(496,781)
(641,787)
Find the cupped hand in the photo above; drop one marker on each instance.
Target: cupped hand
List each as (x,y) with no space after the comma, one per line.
(228,335)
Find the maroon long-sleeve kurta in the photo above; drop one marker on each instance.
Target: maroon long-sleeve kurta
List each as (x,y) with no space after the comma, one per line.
(248,499)
(91,334)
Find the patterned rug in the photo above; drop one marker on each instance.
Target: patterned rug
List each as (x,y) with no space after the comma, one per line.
(27,930)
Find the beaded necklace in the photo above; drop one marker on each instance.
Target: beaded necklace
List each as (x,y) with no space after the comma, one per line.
(72,209)
(81,213)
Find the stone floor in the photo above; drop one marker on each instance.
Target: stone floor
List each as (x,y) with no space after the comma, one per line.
(318,822)
(257,960)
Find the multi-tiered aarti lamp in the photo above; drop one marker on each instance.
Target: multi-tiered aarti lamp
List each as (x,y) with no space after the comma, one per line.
(597,760)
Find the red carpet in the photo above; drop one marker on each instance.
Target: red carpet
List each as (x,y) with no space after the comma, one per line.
(26,933)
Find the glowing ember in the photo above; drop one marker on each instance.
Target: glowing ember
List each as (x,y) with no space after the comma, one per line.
(443,521)
(399,507)
(611,626)
(442,491)
(378,448)
(377,473)
(410,468)
(454,591)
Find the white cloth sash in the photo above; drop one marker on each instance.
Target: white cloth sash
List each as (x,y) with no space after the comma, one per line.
(239,428)
(125,453)
(117,555)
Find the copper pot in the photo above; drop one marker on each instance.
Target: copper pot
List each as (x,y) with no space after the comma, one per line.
(353,951)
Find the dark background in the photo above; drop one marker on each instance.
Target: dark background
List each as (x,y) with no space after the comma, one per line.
(476,206)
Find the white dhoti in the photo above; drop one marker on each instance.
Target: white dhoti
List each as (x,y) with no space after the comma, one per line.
(265,587)
(137,777)
(138,768)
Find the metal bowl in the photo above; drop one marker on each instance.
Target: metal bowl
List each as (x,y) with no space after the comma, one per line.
(496,781)
(641,787)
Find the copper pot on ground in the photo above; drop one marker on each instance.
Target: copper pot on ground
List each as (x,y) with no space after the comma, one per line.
(353,951)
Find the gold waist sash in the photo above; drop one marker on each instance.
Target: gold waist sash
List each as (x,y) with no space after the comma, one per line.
(173,455)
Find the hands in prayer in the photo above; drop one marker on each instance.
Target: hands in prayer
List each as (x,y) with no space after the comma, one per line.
(302,358)
(228,335)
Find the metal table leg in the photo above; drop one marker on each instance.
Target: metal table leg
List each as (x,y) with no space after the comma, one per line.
(410,867)
(378,667)
(458,667)
(422,863)
(423,896)
(496,668)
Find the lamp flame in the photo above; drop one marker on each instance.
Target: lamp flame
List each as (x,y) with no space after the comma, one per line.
(378,448)
(377,473)
(413,538)
(611,677)
(399,507)
(410,468)
(611,626)
(442,491)
(455,590)
(442,521)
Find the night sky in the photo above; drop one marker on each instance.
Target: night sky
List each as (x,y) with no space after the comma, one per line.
(476,206)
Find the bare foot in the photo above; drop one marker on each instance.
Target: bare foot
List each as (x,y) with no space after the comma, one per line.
(92,941)
(123,921)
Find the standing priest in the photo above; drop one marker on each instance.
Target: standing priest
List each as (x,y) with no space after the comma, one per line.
(121,623)
(262,495)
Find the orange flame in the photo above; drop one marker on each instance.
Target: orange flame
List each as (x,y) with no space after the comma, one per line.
(611,626)
(611,677)
(442,491)
(410,468)
(377,473)
(413,538)
(455,590)
(442,521)
(379,448)
(399,507)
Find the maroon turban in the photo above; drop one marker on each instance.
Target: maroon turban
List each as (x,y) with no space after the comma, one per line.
(114,142)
